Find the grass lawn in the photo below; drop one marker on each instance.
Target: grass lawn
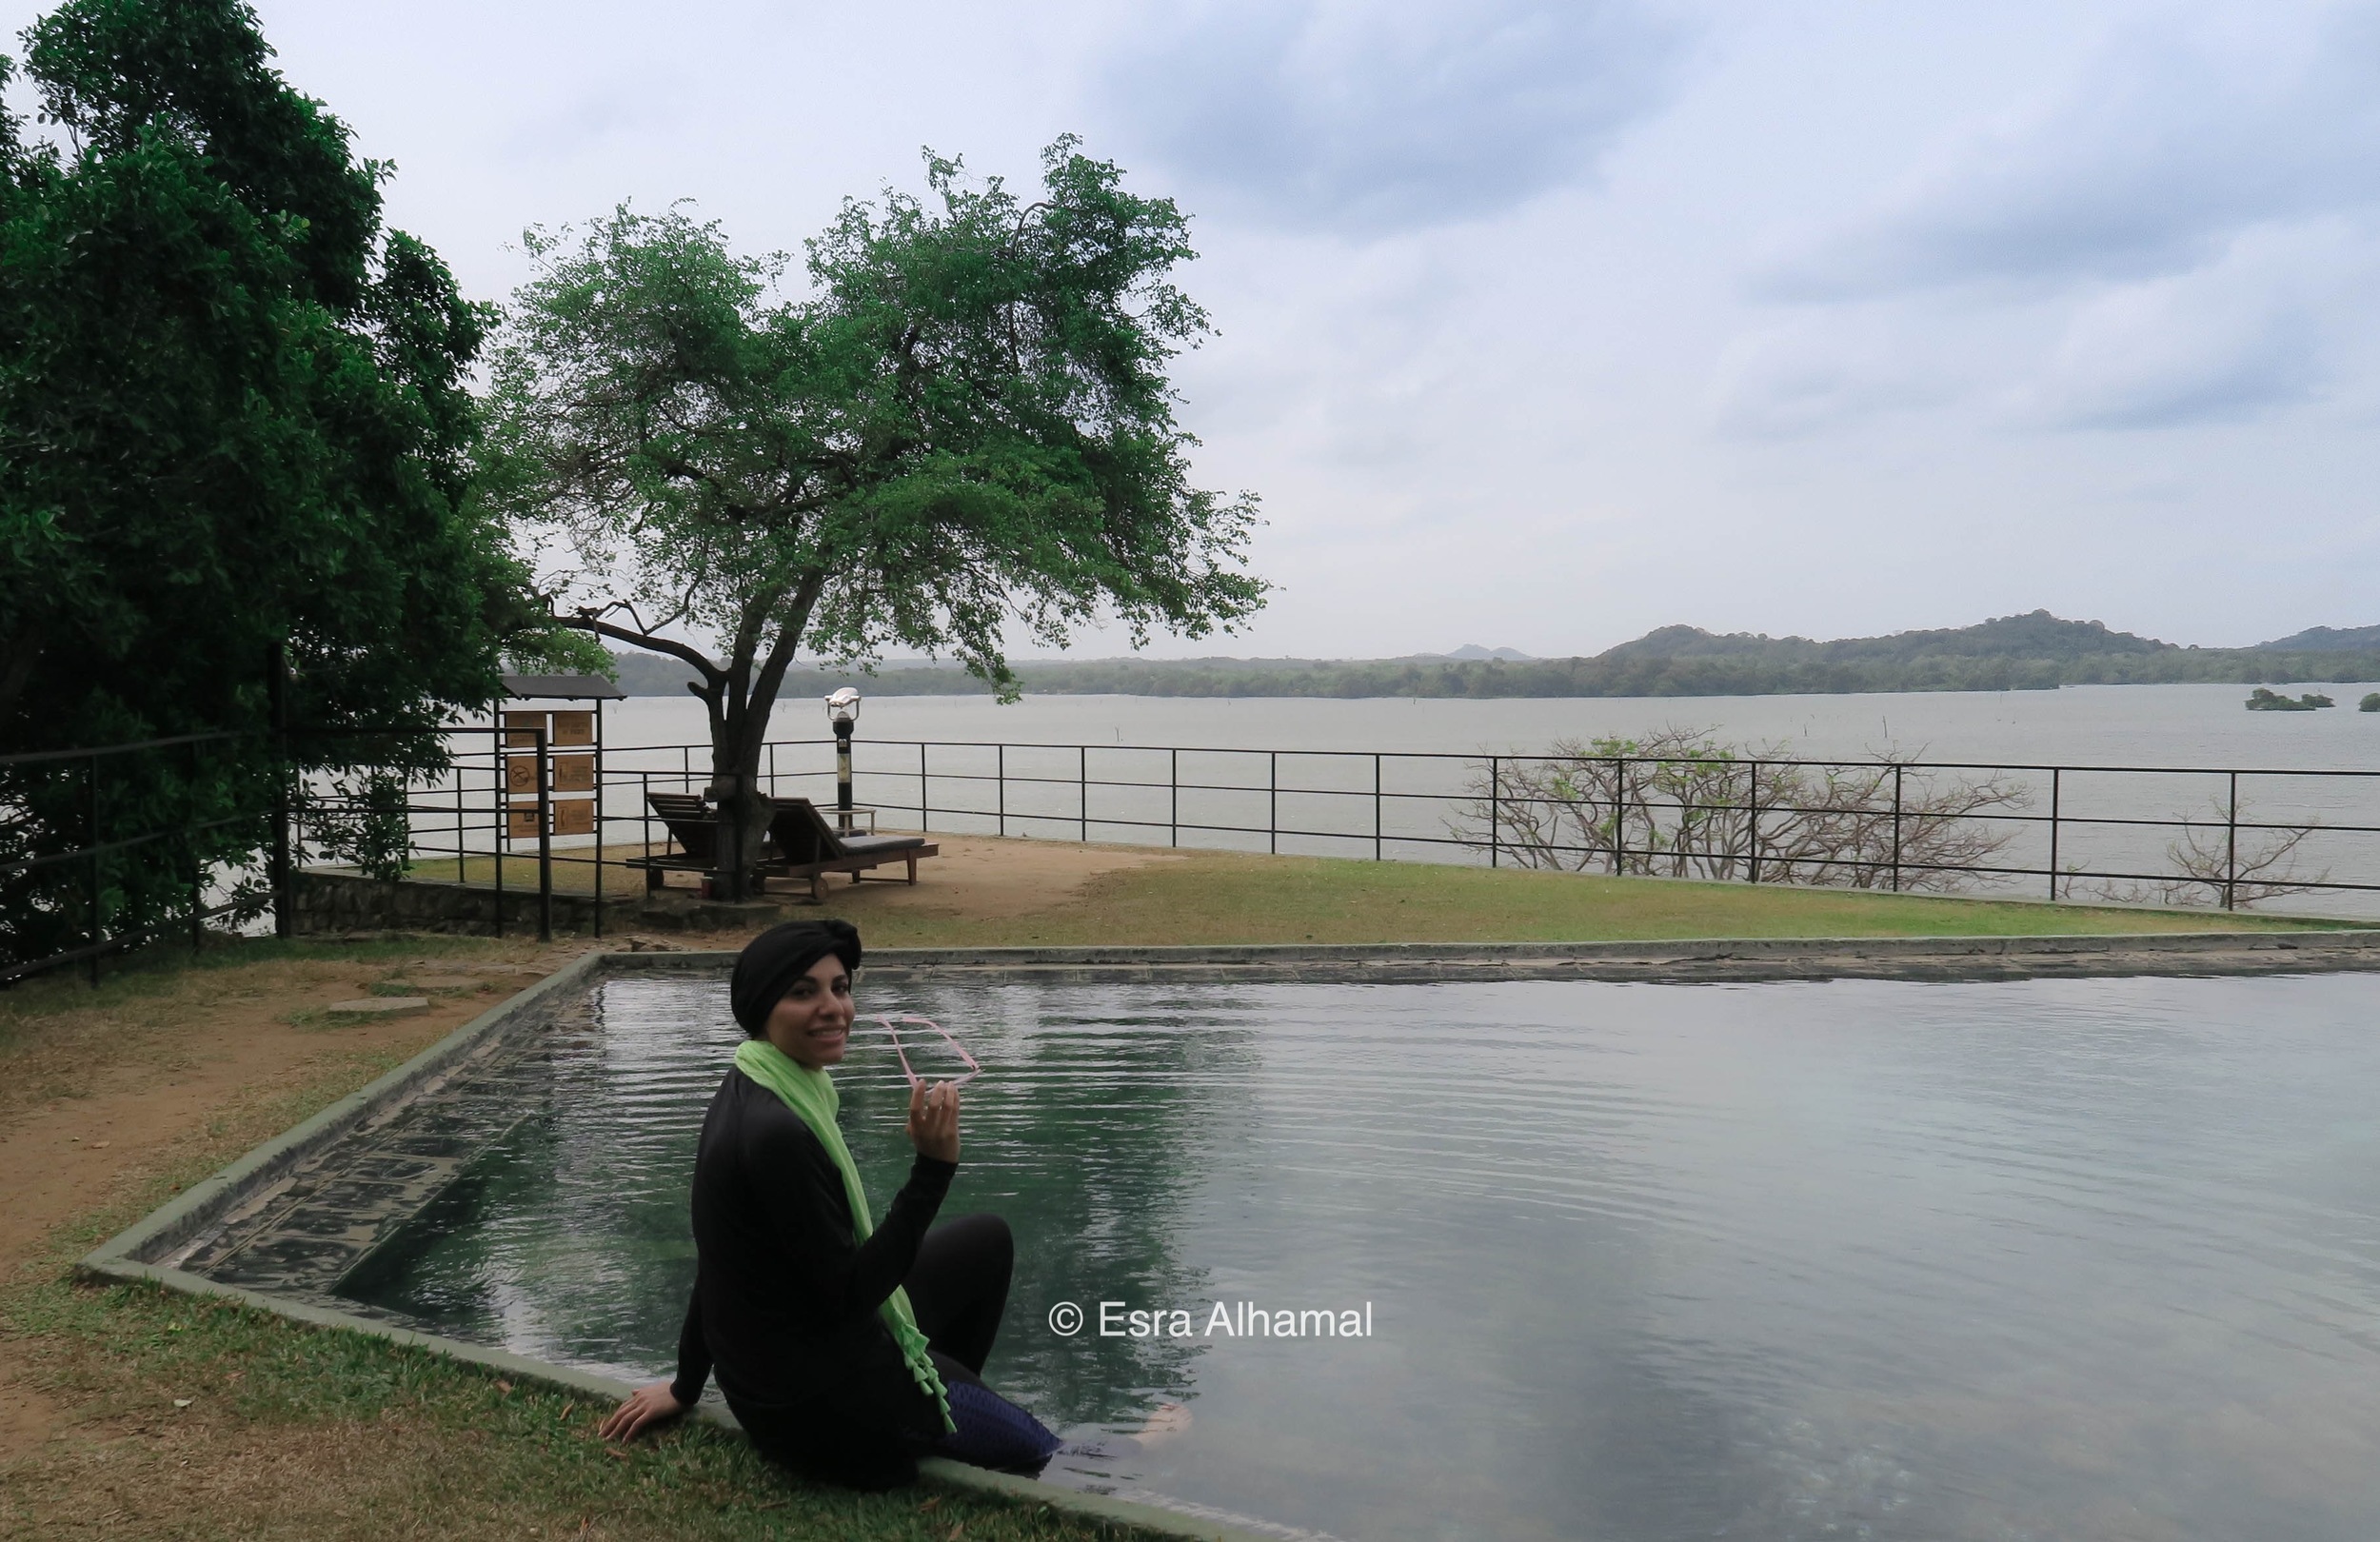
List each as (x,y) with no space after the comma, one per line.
(1230,896)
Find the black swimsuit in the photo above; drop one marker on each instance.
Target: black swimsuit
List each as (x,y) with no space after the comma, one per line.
(786,1306)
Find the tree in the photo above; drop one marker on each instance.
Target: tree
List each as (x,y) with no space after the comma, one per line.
(233,419)
(965,422)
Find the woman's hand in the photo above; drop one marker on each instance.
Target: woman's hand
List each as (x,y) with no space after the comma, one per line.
(934,1120)
(644,1408)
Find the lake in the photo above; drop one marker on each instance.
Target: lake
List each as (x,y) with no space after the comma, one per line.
(2188,726)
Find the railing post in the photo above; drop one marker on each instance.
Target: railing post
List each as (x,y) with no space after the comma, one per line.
(1496,822)
(461,869)
(924,801)
(1620,815)
(2056,779)
(544,845)
(1082,792)
(598,809)
(496,777)
(198,869)
(2231,847)
(1751,824)
(1897,828)
(1000,784)
(1376,807)
(1173,805)
(1272,801)
(90,862)
(277,684)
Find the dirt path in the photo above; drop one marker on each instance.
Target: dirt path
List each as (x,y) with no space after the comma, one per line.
(99,1100)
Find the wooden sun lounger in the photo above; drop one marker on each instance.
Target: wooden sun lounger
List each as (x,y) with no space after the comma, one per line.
(802,846)
(693,828)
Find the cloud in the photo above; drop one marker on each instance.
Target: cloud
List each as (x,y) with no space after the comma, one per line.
(1810,374)
(2252,333)
(1374,118)
(2161,152)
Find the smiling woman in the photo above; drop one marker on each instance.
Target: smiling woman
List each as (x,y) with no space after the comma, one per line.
(845,1350)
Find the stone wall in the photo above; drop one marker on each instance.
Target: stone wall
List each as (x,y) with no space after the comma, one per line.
(345,902)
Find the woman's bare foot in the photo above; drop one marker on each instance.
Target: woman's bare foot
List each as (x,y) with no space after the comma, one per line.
(1169,1420)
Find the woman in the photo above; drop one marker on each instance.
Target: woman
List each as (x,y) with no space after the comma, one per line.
(846,1349)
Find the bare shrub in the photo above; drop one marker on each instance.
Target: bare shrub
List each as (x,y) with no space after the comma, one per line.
(1679,803)
(2211,867)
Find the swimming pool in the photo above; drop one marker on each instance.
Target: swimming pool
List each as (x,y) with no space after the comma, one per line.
(2079,1257)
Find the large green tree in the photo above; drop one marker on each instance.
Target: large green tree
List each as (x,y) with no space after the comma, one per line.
(234,419)
(964,424)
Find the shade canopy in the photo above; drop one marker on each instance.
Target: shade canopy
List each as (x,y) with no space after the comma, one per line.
(561,688)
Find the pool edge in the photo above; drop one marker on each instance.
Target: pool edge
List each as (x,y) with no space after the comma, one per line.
(1681,959)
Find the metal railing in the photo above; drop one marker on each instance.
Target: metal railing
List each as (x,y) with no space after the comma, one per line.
(72,887)
(2240,834)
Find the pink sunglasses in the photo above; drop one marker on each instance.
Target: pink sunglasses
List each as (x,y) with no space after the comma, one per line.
(893,1026)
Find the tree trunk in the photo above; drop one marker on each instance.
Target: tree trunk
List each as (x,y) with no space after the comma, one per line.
(738,707)
(744,810)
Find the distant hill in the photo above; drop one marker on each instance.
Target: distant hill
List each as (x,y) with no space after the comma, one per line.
(2329,640)
(2037,651)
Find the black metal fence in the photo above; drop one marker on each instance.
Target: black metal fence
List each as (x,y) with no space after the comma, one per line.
(2227,837)
(101,851)
(124,875)
(485,815)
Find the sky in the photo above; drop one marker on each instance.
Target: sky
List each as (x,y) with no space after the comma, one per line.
(1541,326)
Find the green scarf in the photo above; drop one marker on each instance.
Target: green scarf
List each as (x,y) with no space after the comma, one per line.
(812,1094)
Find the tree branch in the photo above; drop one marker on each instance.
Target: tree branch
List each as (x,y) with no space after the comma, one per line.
(788,636)
(694,655)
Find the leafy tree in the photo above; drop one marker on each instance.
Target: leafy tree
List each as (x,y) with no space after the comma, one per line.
(233,419)
(965,422)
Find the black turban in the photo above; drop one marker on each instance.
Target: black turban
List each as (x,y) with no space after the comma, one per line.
(773,960)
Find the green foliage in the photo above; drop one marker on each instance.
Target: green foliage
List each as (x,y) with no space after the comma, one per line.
(2369,703)
(234,416)
(965,423)
(2262,699)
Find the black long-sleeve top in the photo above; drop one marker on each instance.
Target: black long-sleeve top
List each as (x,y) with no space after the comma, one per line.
(785,1307)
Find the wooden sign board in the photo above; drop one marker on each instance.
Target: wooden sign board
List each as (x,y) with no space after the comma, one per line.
(521,775)
(518,729)
(574,815)
(573,728)
(521,821)
(573,773)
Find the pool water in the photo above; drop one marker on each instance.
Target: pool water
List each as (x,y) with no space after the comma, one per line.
(2035,1260)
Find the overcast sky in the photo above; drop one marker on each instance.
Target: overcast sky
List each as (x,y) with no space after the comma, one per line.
(1542,326)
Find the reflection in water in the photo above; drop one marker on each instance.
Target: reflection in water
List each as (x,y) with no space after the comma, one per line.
(2035,1260)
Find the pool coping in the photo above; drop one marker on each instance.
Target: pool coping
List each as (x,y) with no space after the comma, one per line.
(125,1256)
(1672,960)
